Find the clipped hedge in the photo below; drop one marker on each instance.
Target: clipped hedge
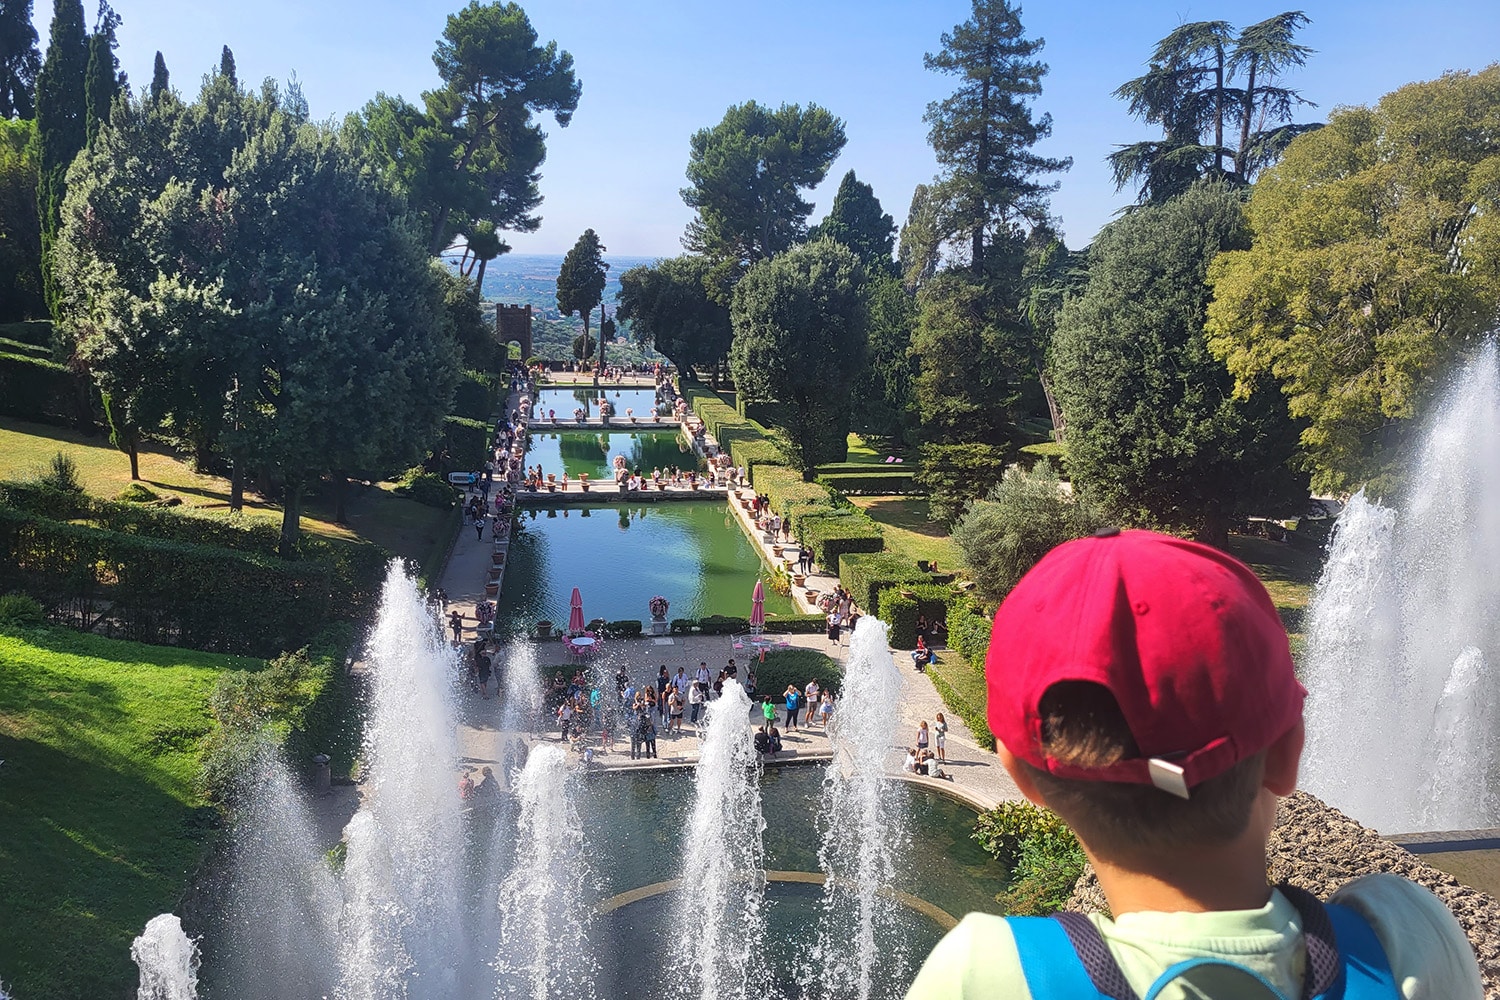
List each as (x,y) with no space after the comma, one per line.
(36,332)
(475,396)
(725,625)
(749,443)
(796,667)
(786,489)
(866,574)
(795,624)
(873,483)
(900,613)
(169,592)
(963,691)
(626,628)
(839,533)
(43,391)
(467,442)
(969,630)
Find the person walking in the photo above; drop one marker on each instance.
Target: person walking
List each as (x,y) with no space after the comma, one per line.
(695,701)
(479,525)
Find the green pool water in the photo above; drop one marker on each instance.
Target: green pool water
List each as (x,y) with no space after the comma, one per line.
(620,556)
(565,401)
(577,452)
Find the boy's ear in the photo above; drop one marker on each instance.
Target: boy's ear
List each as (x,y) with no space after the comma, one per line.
(1020,775)
(1283,759)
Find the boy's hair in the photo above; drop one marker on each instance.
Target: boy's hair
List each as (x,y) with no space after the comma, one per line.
(1082,726)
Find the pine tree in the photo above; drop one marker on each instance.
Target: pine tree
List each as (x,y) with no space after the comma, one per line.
(19,60)
(61,125)
(103,79)
(160,82)
(858,222)
(226,65)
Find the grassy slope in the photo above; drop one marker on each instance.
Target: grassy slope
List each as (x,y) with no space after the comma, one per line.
(403,526)
(97,802)
(1289,575)
(908,532)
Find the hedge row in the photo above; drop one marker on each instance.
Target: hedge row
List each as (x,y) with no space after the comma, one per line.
(930,600)
(866,574)
(872,484)
(37,332)
(795,667)
(475,397)
(969,630)
(467,443)
(748,443)
(160,591)
(963,691)
(838,533)
(785,488)
(358,567)
(43,391)
(731,625)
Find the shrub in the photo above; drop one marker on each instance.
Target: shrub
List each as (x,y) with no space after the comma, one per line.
(425,488)
(44,500)
(963,692)
(20,610)
(682,626)
(623,629)
(795,666)
(1041,854)
(785,488)
(969,630)
(136,493)
(900,613)
(958,474)
(795,624)
(42,390)
(1023,518)
(475,396)
(866,574)
(35,332)
(838,533)
(749,443)
(467,443)
(723,625)
(61,474)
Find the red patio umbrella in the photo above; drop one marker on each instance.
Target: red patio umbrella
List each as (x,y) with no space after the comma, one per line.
(758,606)
(575,616)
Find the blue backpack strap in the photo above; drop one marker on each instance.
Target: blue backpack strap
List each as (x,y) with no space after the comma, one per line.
(1345,960)
(1063,957)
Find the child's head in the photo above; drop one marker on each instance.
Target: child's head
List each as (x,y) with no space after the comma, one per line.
(1139,684)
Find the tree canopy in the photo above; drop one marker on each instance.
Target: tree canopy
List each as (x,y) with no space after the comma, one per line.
(858,222)
(984,132)
(60,122)
(227,265)
(472,153)
(20,230)
(1155,432)
(669,308)
(746,175)
(1212,128)
(103,79)
(1376,259)
(20,61)
(799,338)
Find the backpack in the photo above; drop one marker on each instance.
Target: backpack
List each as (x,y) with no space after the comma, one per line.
(1064,957)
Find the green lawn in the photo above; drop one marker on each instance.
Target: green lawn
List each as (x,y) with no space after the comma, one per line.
(908,532)
(402,526)
(1289,575)
(102,825)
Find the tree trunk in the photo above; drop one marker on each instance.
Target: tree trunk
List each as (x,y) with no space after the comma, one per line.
(133,449)
(1219,110)
(237,485)
(1215,528)
(1059,427)
(599,368)
(479,282)
(981,169)
(291,519)
(1241,156)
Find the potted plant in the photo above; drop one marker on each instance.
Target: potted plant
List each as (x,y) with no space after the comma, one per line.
(543,629)
(798,579)
(780,582)
(492,589)
(776,551)
(659,606)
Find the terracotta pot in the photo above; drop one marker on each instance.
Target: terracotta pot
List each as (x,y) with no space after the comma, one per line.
(492,589)
(798,579)
(776,551)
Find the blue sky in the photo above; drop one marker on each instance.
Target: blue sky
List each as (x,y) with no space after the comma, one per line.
(653,71)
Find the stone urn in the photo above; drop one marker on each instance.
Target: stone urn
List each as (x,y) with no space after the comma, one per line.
(776,551)
(492,588)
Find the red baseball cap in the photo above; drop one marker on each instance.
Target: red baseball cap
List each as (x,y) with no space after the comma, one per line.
(1184,636)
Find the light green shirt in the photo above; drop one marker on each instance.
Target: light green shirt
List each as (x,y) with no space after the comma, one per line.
(1427,950)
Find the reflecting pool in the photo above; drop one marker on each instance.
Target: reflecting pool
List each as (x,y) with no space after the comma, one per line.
(565,401)
(620,556)
(577,452)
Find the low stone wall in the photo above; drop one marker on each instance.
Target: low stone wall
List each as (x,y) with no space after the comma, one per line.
(1317,848)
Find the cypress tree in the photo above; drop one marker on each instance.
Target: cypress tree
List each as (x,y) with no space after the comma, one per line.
(19,60)
(102,81)
(159,80)
(60,123)
(226,65)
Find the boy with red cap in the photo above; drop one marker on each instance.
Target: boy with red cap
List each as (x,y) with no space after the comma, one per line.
(1141,687)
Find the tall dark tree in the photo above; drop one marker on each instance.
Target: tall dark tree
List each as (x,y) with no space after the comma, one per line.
(61,124)
(857,221)
(882,396)
(580,282)
(19,60)
(103,81)
(20,234)
(1156,432)
(984,133)
(1192,92)
(226,65)
(670,308)
(161,81)
(922,239)
(799,338)
(746,177)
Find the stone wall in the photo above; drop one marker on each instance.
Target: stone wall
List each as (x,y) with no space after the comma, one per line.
(1318,848)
